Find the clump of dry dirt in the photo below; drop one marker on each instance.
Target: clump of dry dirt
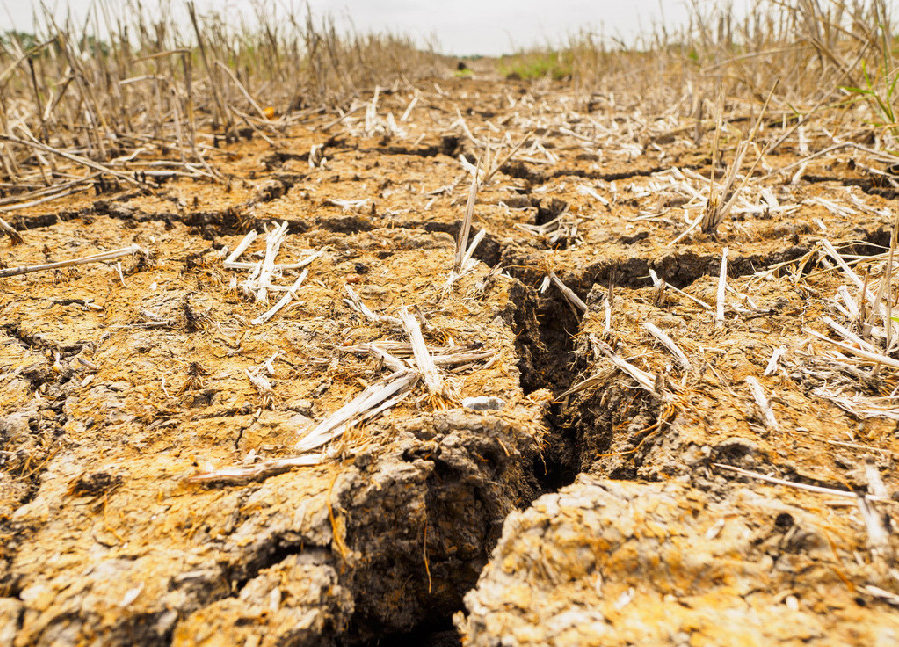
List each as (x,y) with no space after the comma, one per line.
(617,563)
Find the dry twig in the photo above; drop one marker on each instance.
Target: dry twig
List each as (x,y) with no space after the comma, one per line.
(96,258)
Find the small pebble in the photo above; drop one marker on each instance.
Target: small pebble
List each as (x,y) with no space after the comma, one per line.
(483,403)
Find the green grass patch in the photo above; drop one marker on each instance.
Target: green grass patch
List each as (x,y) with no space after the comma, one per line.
(537,65)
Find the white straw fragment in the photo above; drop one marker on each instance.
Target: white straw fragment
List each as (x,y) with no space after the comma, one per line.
(568,293)
(779,352)
(607,304)
(11,231)
(878,537)
(871,357)
(273,241)
(241,248)
(668,343)
(283,301)
(882,594)
(646,380)
(356,303)
(335,424)
(389,360)
(761,401)
(656,281)
(722,288)
(462,241)
(848,335)
(799,486)
(835,255)
(423,358)
(238,475)
(467,265)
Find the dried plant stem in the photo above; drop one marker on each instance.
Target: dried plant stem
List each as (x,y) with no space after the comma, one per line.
(243,90)
(568,293)
(799,486)
(498,165)
(722,289)
(779,352)
(423,359)
(38,201)
(14,235)
(216,96)
(644,379)
(96,258)
(871,357)
(357,304)
(758,393)
(333,426)
(389,360)
(283,301)
(888,320)
(258,472)
(273,241)
(835,255)
(75,158)
(240,249)
(656,281)
(462,242)
(668,343)
(848,334)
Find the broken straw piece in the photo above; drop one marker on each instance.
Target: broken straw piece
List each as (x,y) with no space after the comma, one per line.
(871,357)
(568,293)
(11,232)
(96,258)
(334,425)
(646,380)
(423,358)
(462,241)
(273,242)
(656,281)
(779,352)
(238,475)
(283,301)
(668,343)
(357,304)
(241,248)
(722,287)
(758,393)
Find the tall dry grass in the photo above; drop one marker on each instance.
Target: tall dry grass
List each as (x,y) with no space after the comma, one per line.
(811,56)
(163,78)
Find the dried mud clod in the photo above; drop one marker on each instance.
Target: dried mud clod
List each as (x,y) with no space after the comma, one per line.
(617,563)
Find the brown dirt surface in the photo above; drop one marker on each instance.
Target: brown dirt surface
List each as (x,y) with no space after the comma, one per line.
(143,412)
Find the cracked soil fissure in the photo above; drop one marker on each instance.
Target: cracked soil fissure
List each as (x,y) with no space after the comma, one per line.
(116,390)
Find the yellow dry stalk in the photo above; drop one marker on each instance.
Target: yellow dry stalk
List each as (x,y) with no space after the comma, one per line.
(338,525)
(425,552)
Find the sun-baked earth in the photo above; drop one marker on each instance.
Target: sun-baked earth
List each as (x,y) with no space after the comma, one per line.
(612,492)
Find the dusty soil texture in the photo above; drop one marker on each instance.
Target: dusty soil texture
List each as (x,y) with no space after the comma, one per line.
(613,492)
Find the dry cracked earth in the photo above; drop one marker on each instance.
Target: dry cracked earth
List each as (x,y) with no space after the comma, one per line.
(612,494)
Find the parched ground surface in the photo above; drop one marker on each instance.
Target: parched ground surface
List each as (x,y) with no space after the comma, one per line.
(128,392)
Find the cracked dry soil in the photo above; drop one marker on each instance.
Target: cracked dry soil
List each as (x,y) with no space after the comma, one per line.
(586,511)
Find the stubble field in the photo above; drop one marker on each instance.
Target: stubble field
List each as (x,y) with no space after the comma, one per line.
(472,359)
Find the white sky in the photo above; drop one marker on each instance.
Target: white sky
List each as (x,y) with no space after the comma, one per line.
(460,26)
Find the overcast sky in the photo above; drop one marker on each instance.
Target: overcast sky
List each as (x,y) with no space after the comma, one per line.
(459,26)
